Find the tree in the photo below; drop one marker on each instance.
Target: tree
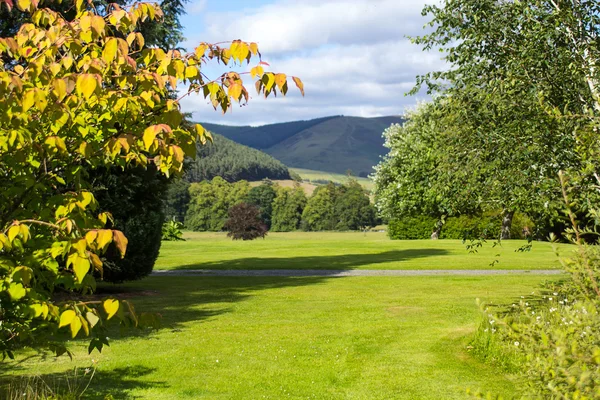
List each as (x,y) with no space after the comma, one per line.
(425,173)
(119,190)
(78,95)
(354,208)
(262,196)
(210,202)
(177,200)
(288,206)
(503,79)
(244,222)
(320,211)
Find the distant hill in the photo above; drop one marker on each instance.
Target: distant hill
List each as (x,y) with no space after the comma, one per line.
(332,144)
(233,162)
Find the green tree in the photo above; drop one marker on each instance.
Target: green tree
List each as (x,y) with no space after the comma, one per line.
(210,202)
(320,211)
(177,200)
(288,206)
(354,209)
(74,96)
(262,196)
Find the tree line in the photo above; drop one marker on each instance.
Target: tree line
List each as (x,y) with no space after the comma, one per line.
(204,206)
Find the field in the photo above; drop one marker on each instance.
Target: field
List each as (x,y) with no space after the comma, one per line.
(312,175)
(305,337)
(347,250)
(308,188)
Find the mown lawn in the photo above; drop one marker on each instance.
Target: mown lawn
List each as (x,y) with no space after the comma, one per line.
(331,250)
(298,338)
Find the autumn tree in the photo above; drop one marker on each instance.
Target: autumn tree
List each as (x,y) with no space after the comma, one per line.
(84,93)
(244,222)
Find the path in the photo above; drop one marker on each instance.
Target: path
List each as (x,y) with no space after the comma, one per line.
(355,272)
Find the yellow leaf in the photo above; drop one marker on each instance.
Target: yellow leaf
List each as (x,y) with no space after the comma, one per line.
(24,5)
(92,318)
(85,23)
(75,326)
(110,50)
(268,80)
(130,38)
(254,48)
(191,72)
(96,262)
(90,237)
(60,88)
(120,241)
(86,85)
(24,231)
(85,325)
(81,267)
(235,91)
(111,307)
(280,80)
(104,238)
(66,317)
(28,100)
(257,71)
(299,84)
(98,25)
(149,136)
(13,232)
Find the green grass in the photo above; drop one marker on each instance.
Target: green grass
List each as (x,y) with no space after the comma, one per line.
(332,250)
(312,175)
(298,338)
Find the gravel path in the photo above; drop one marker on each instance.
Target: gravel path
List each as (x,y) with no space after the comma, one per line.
(356,272)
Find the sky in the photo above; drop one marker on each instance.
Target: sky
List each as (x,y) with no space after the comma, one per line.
(353,56)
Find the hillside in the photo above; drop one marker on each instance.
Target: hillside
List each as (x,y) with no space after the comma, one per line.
(332,144)
(233,161)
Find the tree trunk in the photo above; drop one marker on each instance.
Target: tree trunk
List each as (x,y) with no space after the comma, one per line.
(435,235)
(507,219)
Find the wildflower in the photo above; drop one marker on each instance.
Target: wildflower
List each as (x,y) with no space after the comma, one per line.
(556,294)
(517,344)
(87,371)
(550,298)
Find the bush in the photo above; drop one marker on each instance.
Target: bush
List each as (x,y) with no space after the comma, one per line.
(419,227)
(486,226)
(244,222)
(134,198)
(171,231)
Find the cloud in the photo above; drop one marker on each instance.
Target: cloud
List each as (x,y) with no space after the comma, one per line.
(352,56)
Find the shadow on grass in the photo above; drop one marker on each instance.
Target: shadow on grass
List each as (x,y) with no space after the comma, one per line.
(180,300)
(334,262)
(118,383)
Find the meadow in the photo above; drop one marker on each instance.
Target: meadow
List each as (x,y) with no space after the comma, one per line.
(304,337)
(313,175)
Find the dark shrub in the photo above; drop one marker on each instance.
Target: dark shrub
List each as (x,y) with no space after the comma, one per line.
(244,222)
(134,198)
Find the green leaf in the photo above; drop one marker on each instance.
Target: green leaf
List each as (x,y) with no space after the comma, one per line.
(16,291)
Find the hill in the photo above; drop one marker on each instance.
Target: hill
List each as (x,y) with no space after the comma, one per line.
(332,144)
(233,162)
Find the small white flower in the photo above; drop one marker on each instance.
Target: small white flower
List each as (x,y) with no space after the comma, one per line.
(556,294)
(517,344)
(550,298)
(217,360)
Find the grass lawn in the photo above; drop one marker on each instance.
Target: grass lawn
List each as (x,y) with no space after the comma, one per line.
(298,338)
(332,250)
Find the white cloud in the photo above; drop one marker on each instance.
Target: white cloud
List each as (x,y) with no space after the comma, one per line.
(352,56)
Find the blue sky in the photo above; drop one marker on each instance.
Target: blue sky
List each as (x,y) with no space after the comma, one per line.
(353,55)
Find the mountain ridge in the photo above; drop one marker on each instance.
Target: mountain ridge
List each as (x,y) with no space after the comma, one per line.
(333,144)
